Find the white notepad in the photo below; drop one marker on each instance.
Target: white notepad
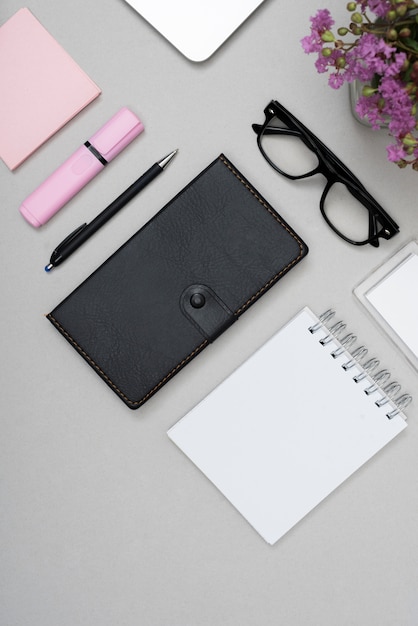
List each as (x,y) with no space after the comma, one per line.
(287,427)
(390,294)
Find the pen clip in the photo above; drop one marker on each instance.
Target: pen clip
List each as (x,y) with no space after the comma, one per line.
(70,237)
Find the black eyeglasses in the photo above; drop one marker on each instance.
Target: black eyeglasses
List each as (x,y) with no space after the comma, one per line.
(347,207)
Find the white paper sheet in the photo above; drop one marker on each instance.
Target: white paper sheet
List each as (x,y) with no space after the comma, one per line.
(395,298)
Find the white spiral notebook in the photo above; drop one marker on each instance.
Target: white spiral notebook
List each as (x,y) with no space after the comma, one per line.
(292,423)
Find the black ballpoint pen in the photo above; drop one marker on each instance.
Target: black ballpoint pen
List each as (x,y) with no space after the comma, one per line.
(85,231)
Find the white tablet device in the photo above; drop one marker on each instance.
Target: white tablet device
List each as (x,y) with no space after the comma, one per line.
(195,28)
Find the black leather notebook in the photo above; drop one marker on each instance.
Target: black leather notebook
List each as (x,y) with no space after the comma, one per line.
(178,283)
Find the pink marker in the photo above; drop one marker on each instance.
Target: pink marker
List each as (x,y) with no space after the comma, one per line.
(81,167)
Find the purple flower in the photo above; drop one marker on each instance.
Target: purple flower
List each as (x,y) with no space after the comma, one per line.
(371,56)
(369,107)
(312,43)
(396,153)
(398,106)
(336,80)
(323,64)
(390,102)
(320,22)
(375,58)
(379,7)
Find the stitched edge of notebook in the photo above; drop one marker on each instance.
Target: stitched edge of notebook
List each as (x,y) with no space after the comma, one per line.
(273,213)
(133,403)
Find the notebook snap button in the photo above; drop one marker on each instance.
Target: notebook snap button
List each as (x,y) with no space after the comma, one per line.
(206,311)
(197,300)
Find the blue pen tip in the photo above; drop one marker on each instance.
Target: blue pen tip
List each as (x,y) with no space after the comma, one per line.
(48,267)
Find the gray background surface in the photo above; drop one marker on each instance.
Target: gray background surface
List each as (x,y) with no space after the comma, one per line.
(103,520)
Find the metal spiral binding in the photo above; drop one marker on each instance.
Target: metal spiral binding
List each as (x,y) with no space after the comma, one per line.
(368,369)
(357,355)
(381,383)
(379,380)
(346,343)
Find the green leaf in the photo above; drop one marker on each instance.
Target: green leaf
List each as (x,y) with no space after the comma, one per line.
(411,43)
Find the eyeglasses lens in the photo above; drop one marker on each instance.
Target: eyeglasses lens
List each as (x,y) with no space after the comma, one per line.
(347,215)
(288,152)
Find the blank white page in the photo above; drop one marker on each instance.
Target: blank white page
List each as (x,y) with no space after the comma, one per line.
(285,429)
(395,298)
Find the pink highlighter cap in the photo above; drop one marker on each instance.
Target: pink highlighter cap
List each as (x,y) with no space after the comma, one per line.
(117,133)
(81,167)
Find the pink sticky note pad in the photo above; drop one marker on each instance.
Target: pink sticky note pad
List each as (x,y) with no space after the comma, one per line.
(41,87)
